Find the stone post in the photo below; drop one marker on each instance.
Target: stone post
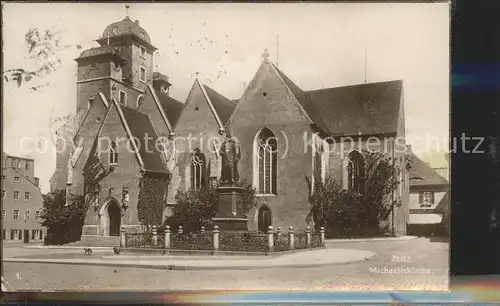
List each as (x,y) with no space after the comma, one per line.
(308,237)
(216,238)
(322,236)
(270,239)
(167,237)
(180,229)
(202,229)
(123,237)
(291,238)
(155,236)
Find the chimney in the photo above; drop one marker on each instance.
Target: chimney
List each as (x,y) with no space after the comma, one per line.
(36,181)
(137,21)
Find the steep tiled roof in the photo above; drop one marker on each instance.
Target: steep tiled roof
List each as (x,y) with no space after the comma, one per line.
(140,126)
(304,101)
(223,106)
(422,174)
(366,108)
(171,107)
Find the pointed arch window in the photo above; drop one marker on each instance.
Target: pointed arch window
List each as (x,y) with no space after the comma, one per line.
(355,172)
(113,154)
(266,158)
(197,168)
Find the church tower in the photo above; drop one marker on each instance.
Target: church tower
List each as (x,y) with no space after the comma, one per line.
(121,67)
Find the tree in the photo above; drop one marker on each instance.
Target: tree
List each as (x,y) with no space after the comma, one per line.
(62,219)
(349,213)
(64,213)
(197,208)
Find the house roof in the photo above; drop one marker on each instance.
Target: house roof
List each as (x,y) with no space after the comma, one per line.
(171,107)
(141,127)
(366,108)
(223,106)
(422,174)
(24,177)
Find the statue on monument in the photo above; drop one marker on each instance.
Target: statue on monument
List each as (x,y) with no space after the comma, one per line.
(230,154)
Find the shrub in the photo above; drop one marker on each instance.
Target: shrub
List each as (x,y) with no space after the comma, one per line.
(351,214)
(197,208)
(63,222)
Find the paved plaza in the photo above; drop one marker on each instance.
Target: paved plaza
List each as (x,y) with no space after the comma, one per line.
(418,264)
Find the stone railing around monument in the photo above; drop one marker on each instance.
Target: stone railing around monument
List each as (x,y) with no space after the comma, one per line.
(217,242)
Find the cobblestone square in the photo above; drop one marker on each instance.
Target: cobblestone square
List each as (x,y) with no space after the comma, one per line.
(418,264)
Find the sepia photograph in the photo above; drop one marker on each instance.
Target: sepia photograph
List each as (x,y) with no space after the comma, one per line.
(221,146)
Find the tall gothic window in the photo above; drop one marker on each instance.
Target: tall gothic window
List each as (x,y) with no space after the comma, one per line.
(266,157)
(355,171)
(113,154)
(197,169)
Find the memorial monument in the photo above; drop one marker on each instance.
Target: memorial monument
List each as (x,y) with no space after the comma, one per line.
(230,215)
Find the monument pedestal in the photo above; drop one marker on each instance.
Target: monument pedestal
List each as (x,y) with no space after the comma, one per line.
(231,216)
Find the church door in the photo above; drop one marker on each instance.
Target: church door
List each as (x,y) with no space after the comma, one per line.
(264,219)
(114,219)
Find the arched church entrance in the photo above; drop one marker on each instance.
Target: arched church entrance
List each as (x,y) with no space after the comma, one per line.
(110,217)
(264,219)
(114,214)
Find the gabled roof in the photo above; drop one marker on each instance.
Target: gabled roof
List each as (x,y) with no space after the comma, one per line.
(223,106)
(422,174)
(100,97)
(140,127)
(171,107)
(150,90)
(365,108)
(304,100)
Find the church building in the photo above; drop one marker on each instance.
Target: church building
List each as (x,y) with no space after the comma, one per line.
(285,134)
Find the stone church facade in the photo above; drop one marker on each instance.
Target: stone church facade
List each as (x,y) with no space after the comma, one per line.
(285,134)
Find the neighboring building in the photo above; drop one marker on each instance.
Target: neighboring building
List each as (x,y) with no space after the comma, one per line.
(120,96)
(429,199)
(22,200)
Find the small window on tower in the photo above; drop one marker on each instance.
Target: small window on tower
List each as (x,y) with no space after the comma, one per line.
(142,75)
(123,98)
(143,51)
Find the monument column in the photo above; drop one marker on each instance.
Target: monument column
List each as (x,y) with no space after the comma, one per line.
(230,215)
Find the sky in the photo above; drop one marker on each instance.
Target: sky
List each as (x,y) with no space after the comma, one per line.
(317,45)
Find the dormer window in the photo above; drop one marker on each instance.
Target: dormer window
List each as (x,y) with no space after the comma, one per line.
(426,198)
(116,65)
(164,88)
(142,76)
(123,97)
(143,51)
